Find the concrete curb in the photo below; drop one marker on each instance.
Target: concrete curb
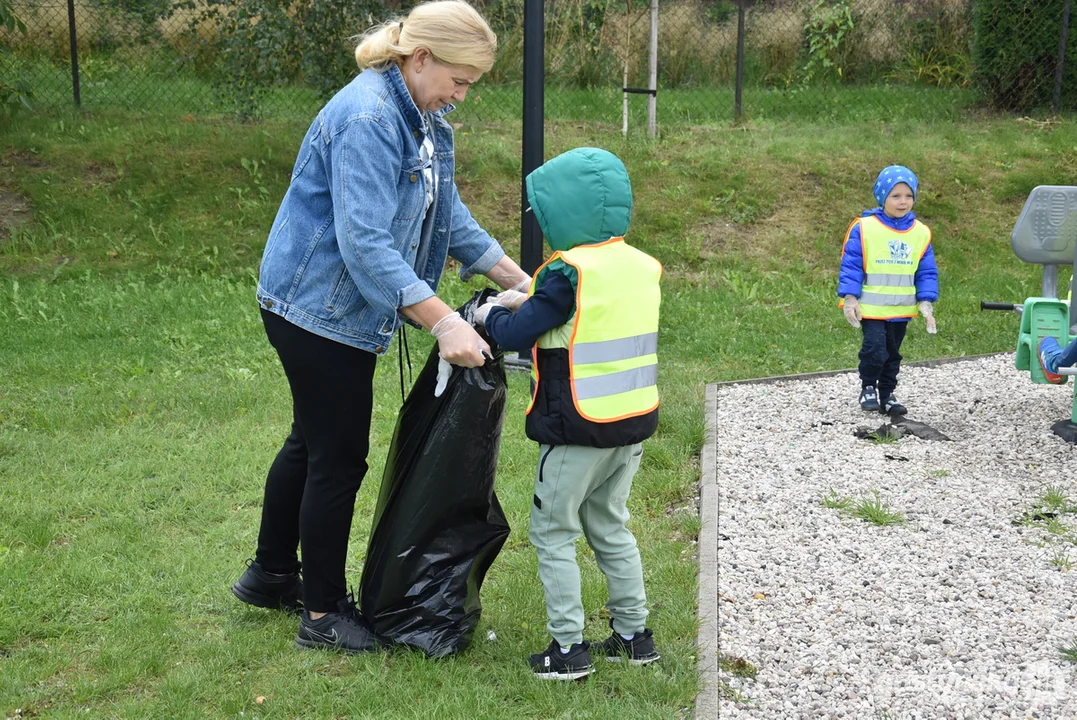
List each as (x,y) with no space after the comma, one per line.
(707,642)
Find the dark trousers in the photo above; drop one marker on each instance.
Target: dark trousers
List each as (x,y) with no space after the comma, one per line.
(311,486)
(880,355)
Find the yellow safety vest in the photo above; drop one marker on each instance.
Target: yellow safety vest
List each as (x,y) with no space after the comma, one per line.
(890,261)
(612,340)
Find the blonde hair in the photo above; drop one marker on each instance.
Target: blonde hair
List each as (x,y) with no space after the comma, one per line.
(453,31)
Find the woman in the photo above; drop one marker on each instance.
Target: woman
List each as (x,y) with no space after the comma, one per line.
(359,243)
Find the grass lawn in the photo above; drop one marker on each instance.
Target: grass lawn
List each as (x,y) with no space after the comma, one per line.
(140,404)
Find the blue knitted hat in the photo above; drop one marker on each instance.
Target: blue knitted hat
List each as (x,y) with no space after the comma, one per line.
(890,177)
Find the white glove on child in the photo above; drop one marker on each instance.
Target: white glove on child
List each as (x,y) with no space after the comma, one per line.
(928,311)
(511,299)
(852,310)
(483,310)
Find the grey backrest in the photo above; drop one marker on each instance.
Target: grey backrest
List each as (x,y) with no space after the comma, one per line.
(1046,229)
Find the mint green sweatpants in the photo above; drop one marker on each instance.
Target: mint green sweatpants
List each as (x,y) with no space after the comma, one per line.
(587,488)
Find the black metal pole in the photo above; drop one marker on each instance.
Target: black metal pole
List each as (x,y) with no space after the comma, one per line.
(1061,64)
(74,50)
(738,108)
(533,112)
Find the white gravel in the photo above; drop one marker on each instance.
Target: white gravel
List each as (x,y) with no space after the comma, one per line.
(956,613)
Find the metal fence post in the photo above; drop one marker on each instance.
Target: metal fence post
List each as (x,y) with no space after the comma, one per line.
(74,51)
(1061,64)
(738,106)
(533,111)
(652,61)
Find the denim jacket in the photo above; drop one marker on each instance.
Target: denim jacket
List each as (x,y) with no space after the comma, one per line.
(352,243)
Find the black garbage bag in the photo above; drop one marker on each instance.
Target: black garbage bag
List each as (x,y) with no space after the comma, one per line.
(438,525)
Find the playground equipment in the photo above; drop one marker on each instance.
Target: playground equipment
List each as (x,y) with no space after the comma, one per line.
(1046,234)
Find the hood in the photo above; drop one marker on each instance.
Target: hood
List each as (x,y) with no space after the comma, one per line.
(582,196)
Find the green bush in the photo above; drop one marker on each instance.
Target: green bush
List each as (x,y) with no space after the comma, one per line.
(827,31)
(1015,50)
(721,11)
(146,11)
(14,95)
(261,43)
(934,42)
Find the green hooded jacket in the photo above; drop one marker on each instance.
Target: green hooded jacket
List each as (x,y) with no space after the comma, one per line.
(579,197)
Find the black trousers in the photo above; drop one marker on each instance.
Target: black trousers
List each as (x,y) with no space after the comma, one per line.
(311,486)
(880,355)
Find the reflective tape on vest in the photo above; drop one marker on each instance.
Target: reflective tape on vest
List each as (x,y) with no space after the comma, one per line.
(887,299)
(615,383)
(611,350)
(891,279)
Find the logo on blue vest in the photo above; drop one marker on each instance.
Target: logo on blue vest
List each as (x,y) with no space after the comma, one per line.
(899,250)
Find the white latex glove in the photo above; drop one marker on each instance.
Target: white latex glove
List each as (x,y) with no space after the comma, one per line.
(511,299)
(852,310)
(522,286)
(483,310)
(928,311)
(458,343)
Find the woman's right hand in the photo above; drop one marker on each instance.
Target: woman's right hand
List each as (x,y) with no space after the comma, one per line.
(458,343)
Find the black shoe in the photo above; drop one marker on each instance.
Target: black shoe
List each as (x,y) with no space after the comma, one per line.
(343,630)
(891,406)
(869,399)
(277,592)
(552,664)
(638,651)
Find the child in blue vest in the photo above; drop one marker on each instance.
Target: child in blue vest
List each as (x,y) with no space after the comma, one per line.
(887,251)
(591,324)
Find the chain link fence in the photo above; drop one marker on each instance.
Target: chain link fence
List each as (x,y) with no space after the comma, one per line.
(795,59)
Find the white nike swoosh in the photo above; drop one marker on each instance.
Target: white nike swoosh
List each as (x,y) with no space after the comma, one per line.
(330,637)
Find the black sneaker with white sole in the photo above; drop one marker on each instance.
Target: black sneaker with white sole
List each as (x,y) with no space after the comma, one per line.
(343,630)
(552,664)
(891,406)
(266,590)
(637,651)
(869,398)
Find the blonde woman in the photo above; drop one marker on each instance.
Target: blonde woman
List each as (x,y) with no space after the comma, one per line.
(358,246)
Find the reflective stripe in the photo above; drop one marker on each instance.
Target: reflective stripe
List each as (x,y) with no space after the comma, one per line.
(890,279)
(886,300)
(616,383)
(611,350)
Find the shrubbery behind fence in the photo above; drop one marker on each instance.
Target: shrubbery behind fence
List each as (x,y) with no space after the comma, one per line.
(801,58)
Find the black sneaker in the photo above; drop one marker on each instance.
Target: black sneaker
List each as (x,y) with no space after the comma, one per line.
(262,589)
(869,399)
(638,651)
(891,406)
(343,630)
(552,664)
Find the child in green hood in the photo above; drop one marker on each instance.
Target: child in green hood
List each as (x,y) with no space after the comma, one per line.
(590,322)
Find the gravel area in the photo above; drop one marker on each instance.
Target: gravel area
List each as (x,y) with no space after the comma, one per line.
(958,612)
